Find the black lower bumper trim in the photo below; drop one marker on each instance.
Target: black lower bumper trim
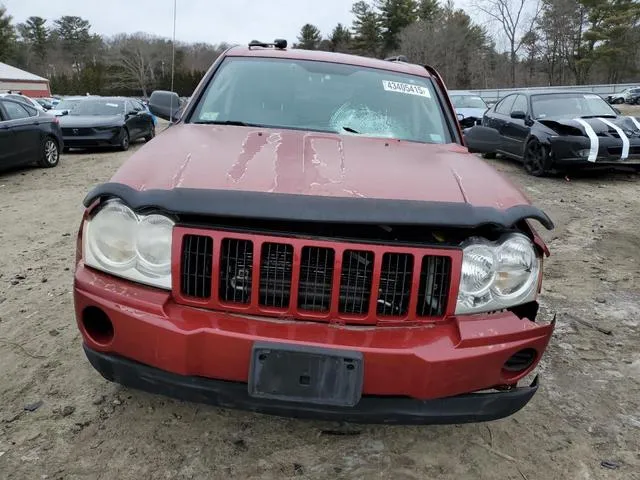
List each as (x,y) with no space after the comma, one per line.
(473,407)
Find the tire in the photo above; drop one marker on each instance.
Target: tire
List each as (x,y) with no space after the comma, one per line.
(151,135)
(125,141)
(536,159)
(489,156)
(618,101)
(50,153)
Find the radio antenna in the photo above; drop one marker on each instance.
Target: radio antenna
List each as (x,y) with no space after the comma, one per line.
(173,54)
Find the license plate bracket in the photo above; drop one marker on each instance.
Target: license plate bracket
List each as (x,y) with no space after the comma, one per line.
(296,373)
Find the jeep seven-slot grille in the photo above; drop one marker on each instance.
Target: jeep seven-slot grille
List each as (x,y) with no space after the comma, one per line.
(309,278)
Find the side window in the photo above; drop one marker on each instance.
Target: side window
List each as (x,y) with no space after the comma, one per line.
(15,111)
(128,106)
(520,104)
(137,106)
(504,107)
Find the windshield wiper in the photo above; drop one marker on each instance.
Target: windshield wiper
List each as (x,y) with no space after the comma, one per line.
(235,123)
(351,130)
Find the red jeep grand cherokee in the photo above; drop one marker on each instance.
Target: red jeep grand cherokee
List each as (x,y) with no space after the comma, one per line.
(310,238)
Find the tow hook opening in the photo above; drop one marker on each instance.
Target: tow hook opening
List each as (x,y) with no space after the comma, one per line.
(520,361)
(97,326)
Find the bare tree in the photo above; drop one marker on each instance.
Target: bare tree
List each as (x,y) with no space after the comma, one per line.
(515,20)
(136,57)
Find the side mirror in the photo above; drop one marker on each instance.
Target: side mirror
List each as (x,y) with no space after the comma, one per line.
(65,112)
(480,139)
(460,116)
(518,115)
(165,105)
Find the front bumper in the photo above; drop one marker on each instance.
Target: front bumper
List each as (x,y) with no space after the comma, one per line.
(473,407)
(414,374)
(566,150)
(109,138)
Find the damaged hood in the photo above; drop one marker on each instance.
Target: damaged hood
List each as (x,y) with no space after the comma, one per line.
(229,158)
(600,126)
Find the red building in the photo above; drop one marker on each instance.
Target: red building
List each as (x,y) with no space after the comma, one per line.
(16,80)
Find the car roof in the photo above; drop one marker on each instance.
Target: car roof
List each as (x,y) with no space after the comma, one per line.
(552,92)
(331,57)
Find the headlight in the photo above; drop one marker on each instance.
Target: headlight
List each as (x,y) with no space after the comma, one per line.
(154,245)
(497,275)
(118,241)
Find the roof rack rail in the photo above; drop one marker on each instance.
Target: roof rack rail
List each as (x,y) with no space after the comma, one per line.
(397,58)
(278,43)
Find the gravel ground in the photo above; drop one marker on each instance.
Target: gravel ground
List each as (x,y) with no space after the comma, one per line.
(60,420)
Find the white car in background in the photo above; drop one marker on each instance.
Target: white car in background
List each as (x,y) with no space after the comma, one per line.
(24,99)
(623,96)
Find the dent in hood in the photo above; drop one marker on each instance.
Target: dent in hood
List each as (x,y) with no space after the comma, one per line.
(213,157)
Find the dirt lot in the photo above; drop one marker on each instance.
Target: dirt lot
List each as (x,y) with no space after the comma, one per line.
(60,419)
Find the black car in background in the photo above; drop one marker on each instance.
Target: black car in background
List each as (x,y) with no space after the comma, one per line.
(556,131)
(28,136)
(106,122)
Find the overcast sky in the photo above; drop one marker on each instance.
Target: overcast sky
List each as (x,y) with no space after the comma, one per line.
(212,21)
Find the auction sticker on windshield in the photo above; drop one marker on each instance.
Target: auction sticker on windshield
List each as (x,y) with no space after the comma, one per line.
(407,88)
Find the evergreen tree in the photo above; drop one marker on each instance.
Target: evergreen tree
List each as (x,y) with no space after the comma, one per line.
(428,10)
(367,31)
(309,38)
(34,33)
(340,39)
(73,33)
(7,35)
(395,16)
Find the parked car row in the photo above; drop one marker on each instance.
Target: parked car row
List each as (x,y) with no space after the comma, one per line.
(29,134)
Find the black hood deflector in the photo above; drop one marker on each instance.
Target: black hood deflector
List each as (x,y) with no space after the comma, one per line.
(307,208)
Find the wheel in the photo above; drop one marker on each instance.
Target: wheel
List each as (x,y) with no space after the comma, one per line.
(124,140)
(536,159)
(50,154)
(152,134)
(489,156)
(618,101)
